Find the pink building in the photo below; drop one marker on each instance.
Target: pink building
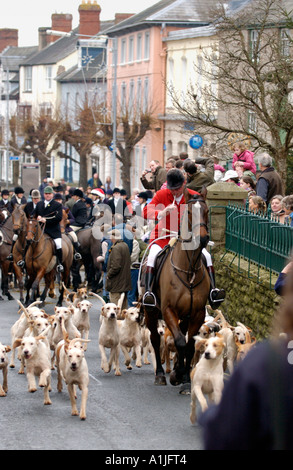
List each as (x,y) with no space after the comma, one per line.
(141,70)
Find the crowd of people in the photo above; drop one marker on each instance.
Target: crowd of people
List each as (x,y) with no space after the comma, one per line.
(132,221)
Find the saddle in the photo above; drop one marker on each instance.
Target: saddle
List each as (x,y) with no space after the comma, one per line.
(161,257)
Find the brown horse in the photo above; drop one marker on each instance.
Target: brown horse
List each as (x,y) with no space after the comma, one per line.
(41,262)
(6,234)
(182,291)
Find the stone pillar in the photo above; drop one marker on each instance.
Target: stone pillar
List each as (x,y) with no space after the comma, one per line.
(219,195)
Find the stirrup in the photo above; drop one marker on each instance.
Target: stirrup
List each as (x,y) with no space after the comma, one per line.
(149,299)
(217,295)
(10,257)
(20,263)
(59,268)
(77,256)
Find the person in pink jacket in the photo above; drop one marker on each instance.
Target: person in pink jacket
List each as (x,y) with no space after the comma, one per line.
(243,161)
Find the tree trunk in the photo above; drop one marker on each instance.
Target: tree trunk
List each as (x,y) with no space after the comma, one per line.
(43,168)
(83,176)
(125,172)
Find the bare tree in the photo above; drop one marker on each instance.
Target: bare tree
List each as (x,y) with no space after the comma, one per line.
(91,128)
(247,78)
(41,138)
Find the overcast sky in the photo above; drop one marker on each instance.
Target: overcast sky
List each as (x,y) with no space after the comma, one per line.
(28,15)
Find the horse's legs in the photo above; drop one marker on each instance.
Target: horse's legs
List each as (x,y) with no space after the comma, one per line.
(178,374)
(151,322)
(20,282)
(36,283)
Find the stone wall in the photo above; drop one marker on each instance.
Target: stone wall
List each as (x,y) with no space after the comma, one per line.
(247,300)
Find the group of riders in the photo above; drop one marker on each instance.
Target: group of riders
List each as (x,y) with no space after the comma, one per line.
(49,212)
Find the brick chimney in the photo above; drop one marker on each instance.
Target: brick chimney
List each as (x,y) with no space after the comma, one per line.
(89,18)
(60,22)
(8,37)
(122,16)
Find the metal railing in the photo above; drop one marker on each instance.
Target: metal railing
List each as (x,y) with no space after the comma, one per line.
(259,239)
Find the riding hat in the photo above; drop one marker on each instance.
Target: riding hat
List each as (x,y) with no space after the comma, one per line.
(175,179)
(116,190)
(48,190)
(78,192)
(5,191)
(143,195)
(36,193)
(18,190)
(58,196)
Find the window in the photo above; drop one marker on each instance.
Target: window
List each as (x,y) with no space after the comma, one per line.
(254,44)
(251,113)
(170,81)
(184,77)
(49,77)
(28,71)
(139,47)
(138,99)
(123,51)
(136,167)
(199,76)
(131,100)
(131,49)
(46,109)
(285,42)
(145,95)
(147,45)
(123,98)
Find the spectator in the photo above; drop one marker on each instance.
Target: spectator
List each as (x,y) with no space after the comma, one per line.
(183,156)
(159,176)
(243,161)
(42,186)
(69,200)
(142,198)
(108,183)
(247,183)
(199,177)
(231,176)
(277,211)
(117,204)
(179,165)
(257,205)
(95,181)
(256,409)
(118,269)
(219,170)
(129,205)
(132,295)
(269,182)
(287,205)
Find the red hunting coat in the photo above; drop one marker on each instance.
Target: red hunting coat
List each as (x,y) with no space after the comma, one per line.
(162,199)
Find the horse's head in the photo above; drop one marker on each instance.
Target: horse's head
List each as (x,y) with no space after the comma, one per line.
(197,217)
(4,214)
(64,220)
(32,229)
(19,218)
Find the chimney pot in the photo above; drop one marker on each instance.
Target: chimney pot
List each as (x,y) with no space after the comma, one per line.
(89,18)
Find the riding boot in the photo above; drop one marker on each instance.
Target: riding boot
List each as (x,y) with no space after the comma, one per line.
(10,256)
(77,254)
(149,298)
(216,296)
(21,262)
(59,267)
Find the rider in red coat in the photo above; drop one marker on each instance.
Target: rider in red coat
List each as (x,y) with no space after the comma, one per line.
(164,208)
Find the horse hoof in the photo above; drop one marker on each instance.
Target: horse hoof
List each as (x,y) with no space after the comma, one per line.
(1,298)
(9,296)
(174,379)
(185,389)
(160,380)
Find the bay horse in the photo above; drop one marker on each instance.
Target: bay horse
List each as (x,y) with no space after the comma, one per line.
(90,249)
(6,234)
(41,262)
(182,290)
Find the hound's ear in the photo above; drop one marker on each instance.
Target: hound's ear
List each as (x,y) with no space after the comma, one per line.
(17,343)
(7,349)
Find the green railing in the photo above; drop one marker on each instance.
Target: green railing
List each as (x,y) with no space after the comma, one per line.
(259,239)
